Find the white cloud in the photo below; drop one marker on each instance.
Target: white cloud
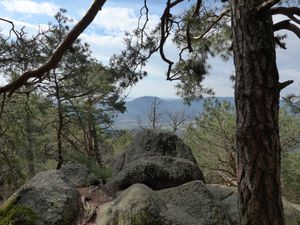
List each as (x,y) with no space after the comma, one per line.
(107,33)
(103,46)
(116,19)
(109,41)
(30,7)
(119,19)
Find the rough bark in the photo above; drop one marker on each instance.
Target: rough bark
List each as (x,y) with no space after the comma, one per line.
(257,105)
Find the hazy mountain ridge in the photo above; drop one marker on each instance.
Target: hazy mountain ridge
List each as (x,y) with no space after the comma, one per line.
(138,110)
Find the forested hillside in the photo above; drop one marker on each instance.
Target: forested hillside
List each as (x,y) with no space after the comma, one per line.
(139,109)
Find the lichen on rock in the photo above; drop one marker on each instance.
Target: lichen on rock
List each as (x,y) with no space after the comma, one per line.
(158,159)
(47,199)
(188,204)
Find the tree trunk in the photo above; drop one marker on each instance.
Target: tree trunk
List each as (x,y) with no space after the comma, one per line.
(60,158)
(29,148)
(257,105)
(92,130)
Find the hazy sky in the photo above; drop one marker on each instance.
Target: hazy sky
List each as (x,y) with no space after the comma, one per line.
(105,36)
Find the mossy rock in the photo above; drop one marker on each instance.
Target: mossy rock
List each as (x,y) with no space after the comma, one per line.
(188,204)
(13,214)
(47,199)
(157,172)
(157,159)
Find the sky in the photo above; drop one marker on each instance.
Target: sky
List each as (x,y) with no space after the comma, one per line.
(105,36)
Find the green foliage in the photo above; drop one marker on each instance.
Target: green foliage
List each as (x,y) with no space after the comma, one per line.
(195,67)
(64,116)
(212,139)
(289,125)
(91,163)
(290,172)
(192,65)
(119,140)
(24,132)
(12,214)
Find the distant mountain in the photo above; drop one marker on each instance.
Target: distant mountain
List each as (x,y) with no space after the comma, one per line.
(138,110)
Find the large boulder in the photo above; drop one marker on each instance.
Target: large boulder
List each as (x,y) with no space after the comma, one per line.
(79,175)
(49,198)
(150,143)
(188,204)
(193,203)
(159,160)
(227,196)
(157,172)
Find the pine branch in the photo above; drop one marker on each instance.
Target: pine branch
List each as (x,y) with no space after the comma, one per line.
(58,52)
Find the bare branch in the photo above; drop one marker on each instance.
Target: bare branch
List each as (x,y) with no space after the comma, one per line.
(285,24)
(2,104)
(145,7)
(224,13)
(289,12)
(267,5)
(284,84)
(164,29)
(279,43)
(59,51)
(12,30)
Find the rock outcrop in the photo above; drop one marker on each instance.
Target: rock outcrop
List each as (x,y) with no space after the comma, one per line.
(161,185)
(227,196)
(49,198)
(158,160)
(188,204)
(193,203)
(79,175)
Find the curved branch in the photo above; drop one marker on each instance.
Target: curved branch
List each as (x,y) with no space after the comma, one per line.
(12,27)
(289,12)
(285,24)
(188,36)
(59,51)
(165,32)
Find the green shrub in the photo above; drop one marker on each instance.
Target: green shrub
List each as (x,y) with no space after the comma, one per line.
(12,214)
(290,173)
